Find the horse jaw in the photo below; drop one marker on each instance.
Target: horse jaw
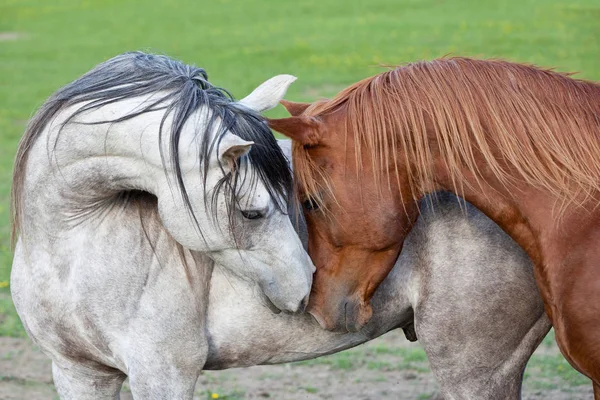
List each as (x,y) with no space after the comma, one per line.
(268,94)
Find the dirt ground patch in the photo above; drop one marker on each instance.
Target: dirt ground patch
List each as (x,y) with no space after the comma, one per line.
(386,368)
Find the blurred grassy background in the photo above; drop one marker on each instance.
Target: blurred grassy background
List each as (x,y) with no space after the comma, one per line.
(327,44)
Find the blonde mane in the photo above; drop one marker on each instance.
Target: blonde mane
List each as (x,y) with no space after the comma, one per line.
(524,124)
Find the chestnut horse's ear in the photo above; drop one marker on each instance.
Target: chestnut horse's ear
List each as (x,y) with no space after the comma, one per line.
(303,129)
(294,108)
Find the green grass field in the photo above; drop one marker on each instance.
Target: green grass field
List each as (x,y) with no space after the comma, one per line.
(327,44)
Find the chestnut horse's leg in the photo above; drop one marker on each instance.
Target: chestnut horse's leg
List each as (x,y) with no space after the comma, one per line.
(596,391)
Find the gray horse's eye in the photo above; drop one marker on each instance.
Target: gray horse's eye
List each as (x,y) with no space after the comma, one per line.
(252,214)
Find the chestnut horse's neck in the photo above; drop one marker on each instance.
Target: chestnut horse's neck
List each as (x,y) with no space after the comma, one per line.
(534,218)
(520,142)
(497,202)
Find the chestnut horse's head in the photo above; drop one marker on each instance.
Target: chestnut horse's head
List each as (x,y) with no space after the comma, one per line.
(362,159)
(356,209)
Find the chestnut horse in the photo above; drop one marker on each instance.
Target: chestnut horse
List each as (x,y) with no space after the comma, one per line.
(519,142)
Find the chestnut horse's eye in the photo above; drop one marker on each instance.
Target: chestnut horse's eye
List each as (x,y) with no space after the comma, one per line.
(310,205)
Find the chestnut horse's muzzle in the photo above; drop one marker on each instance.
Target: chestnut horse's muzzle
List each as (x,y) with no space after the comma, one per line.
(347,315)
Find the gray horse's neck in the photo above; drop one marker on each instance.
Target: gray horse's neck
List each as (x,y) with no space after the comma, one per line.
(76,171)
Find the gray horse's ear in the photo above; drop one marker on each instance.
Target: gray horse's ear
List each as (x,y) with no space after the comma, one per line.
(294,108)
(231,148)
(303,129)
(268,94)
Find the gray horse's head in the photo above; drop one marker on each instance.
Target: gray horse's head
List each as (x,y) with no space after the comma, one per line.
(221,180)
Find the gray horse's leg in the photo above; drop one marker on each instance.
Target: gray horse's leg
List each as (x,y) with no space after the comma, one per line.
(78,385)
(473,372)
(478,312)
(163,381)
(169,350)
